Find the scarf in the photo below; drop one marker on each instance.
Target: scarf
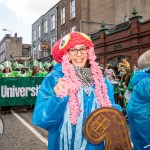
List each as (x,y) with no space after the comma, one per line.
(84,75)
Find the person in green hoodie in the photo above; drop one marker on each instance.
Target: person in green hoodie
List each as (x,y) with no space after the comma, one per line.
(36,69)
(15,68)
(27,66)
(1,70)
(23,72)
(7,72)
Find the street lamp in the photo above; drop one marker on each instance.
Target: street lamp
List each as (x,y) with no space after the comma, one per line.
(9,31)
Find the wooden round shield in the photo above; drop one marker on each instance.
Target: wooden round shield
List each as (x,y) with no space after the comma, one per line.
(107,124)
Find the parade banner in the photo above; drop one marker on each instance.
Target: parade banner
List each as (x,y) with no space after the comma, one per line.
(19,91)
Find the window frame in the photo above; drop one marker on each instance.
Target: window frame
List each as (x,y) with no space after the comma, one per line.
(39,47)
(72,13)
(63,33)
(53,22)
(73,27)
(63,16)
(34,35)
(53,36)
(39,31)
(45,26)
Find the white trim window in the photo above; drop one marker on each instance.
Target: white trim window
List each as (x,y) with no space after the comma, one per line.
(39,47)
(34,35)
(34,52)
(63,33)
(53,40)
(72,9)
(45,26)
(52,22)
(3,58)
(72,29)
(39,31)
(46,53)
(63,15)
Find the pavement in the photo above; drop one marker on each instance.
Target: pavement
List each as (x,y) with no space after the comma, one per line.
(17,136)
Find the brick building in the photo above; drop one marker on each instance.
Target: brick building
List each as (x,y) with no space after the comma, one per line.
(68,17)
(88,14)
(84,16)
(126,40)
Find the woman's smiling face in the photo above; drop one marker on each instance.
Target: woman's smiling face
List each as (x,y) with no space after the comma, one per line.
(78,55)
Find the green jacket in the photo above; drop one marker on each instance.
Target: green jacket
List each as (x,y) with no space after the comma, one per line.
(11,74)
(20,74)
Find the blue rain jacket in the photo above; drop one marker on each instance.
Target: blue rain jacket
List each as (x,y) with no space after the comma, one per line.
(138,111)
(52,114)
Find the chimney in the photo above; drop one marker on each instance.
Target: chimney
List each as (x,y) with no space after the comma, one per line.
(15,35)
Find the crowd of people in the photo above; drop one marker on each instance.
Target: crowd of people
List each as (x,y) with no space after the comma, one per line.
(35,69)
(16,70)
(132,92)
(120,76)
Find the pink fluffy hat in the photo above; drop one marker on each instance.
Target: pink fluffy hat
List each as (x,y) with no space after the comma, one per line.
(69,41)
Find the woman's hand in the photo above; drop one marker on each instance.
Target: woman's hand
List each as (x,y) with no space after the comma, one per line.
(60,88)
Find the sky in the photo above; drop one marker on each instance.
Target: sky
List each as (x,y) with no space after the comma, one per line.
(17,16)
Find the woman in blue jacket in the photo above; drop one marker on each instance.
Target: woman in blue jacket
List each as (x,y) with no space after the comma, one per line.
(138,108)
(70,93)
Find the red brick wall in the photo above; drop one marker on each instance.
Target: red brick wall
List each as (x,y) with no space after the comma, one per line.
(68,22)
(130,42)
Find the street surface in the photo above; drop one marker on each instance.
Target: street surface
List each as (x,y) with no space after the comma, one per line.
(18,133)
(21,134)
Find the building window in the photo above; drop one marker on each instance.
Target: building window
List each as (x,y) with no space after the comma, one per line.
(62,15)
(34,52)
(3,56)
(39,31)
(72,29)
(45,26)
(34,35)
(45,54)
(53,40)
(53,22)
(39,46)
(72,9)
(63,33)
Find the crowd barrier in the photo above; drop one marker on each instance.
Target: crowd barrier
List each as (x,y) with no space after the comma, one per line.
(19,91)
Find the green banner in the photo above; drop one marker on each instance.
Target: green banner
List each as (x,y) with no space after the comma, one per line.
(19,91)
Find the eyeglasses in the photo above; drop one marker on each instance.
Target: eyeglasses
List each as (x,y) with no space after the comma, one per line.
(75,51)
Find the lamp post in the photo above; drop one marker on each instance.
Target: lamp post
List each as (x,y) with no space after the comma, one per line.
(9,31)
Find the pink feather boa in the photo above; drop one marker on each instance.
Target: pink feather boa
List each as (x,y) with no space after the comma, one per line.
(73,85)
